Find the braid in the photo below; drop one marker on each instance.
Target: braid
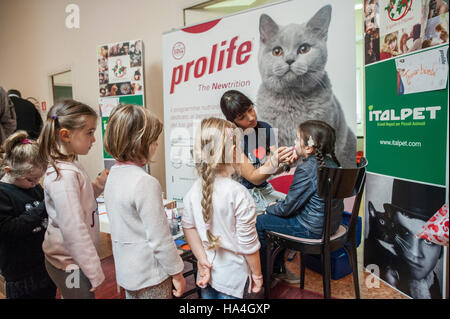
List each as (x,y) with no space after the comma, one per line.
(207,174)
(320,157)
(333,156)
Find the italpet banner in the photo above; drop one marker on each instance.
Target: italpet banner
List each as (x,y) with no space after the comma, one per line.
(406,134)
(406,82)
(295,60)
(121,79)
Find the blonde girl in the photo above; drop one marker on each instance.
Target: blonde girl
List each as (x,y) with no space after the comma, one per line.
(220,215)
(23,220)
(71,239)
(146,259)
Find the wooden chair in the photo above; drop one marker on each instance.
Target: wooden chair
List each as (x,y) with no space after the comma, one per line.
(334,183)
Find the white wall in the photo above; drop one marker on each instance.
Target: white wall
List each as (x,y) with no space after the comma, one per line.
(35,44)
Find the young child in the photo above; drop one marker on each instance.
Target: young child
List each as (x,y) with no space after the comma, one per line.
(146,259)
(72,235)
(23,220)
(219,217)
(301,213)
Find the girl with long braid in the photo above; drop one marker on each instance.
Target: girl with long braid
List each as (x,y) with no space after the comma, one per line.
(220,215)
(301,213)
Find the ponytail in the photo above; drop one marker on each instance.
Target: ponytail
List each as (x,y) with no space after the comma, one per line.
(20,154)
(68,114)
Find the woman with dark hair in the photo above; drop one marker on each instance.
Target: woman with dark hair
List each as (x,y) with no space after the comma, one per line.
(260,153)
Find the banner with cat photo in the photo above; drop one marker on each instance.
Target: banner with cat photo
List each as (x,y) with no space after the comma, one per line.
(121,79)
(395,212)
(396,27)
(295,60)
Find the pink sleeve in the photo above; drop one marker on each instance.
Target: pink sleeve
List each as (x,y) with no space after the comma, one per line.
(66,196)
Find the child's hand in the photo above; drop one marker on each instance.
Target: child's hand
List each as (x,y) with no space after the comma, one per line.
(204,268)
(179,283)
(257,283)
(100,181)
(273,203)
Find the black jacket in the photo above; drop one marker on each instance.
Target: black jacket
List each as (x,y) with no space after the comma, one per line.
(28,118)
(22,229)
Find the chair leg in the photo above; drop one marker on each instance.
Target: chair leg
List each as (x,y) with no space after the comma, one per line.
(302,270)
(353,258)
(326,274)
(268,271)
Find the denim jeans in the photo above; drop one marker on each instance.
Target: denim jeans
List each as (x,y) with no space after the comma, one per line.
(211,293)
(264,196)
(285,225)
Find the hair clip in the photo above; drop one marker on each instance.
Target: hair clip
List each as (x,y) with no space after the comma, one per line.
(54,117)
(26,141)
(310,141)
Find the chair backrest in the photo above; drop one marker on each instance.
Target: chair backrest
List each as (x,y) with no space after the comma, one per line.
(340,183)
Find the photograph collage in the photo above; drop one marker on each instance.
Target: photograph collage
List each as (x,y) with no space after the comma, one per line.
(120,69)
(389,31)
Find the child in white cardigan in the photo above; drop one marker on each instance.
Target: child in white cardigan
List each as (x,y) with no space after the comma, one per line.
(146,259)
(219,217)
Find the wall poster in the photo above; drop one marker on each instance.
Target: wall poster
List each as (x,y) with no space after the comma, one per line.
(121,79)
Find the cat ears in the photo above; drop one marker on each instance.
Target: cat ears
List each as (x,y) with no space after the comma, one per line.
(267,28)
(320,22)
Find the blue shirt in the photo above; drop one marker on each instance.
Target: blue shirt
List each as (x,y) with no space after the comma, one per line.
(256,145)
(303,201)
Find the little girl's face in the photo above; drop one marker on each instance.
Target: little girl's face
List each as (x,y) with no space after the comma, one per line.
(301,149)
(81,140)
(30,180)
(299,145)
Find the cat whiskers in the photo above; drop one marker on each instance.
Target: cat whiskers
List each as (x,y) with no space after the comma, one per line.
(316,79)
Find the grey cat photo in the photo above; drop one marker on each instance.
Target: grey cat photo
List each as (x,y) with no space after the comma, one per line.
(295,85)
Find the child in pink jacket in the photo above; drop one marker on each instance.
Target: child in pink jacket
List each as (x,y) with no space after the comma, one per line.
(71,239)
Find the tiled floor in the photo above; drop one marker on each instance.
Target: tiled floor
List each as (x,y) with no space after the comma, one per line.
(342,288)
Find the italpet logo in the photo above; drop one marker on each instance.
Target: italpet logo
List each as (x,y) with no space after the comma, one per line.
(417,113)
(178,50)
(398,9)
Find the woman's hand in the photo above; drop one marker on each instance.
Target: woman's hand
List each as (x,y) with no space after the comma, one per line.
(204,270)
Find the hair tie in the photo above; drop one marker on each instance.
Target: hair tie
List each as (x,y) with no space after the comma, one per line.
(26,141)
(207,226)
(54,117)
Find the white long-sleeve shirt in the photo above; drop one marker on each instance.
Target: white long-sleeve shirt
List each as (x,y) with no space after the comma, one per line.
(233,220)
(144,250)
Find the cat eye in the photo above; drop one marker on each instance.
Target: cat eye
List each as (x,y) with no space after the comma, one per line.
(304,48)
(277,51)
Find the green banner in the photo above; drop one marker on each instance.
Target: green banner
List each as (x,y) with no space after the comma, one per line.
(406,134)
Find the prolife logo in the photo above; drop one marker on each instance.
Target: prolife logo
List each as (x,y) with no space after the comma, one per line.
(223,55)
(178,50)
(398,9)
